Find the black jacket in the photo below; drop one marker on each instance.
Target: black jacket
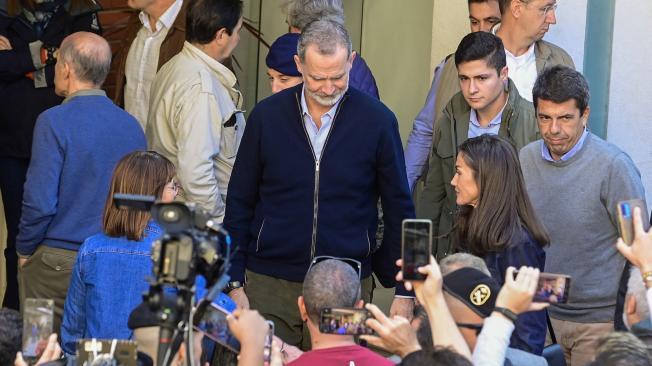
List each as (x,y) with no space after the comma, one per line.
(21,101)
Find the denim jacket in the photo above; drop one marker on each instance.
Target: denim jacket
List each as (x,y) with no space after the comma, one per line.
(107,283)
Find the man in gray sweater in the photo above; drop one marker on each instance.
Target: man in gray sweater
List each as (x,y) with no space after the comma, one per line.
(575,180)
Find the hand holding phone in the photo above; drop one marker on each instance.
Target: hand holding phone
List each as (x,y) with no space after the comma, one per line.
(416,244)
(626,218)
(344,321)
(552,288)
(38,321)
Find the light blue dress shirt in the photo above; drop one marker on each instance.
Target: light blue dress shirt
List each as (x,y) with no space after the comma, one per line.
(317,135)
(475,129)
(545,153)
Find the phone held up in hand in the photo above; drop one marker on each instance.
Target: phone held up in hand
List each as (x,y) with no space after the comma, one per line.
(344,321)
(38,321)
(552,288)
(416,244)
(626,218)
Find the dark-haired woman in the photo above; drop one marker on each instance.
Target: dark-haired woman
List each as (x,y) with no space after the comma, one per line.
(30,32)
(497,222)
(108,279)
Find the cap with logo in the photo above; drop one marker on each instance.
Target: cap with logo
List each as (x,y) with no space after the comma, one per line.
(474,288)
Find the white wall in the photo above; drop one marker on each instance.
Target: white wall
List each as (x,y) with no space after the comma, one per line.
(631,86)
(569,32)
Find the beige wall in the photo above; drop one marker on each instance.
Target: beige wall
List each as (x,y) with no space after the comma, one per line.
(450,24)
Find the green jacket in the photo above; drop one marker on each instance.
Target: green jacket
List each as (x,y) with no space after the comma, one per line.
(546,53)
(437,201)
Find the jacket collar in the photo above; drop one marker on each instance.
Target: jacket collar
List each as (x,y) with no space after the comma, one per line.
(542,53)
(225,76)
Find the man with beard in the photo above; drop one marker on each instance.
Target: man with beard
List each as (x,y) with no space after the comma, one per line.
(313,161)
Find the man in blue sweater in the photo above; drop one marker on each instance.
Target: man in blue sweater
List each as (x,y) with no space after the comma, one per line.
(313,161)
(76,146)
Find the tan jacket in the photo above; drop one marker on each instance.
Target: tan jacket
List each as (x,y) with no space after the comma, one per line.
(437,201)
(196,121)
(172,44)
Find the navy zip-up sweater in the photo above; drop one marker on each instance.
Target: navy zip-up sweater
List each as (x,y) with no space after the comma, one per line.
(76,147)
(282,211)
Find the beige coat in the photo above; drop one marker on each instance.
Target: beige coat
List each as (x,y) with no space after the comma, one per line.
(196,121)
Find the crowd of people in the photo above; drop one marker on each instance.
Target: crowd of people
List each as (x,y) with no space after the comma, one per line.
(500,160)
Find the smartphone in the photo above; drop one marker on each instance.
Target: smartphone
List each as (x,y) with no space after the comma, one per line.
(344,321)
(106,352)
(552,288)
(416,244)
(626,218)
(215,327)
(38,320)
(269,338)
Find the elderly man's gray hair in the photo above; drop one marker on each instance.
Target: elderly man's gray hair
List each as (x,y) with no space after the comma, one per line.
(330,284)
(89,56)
(302,12)
(463,260)
(327,36)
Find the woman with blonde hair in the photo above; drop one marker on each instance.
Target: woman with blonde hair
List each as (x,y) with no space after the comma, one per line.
(109,276)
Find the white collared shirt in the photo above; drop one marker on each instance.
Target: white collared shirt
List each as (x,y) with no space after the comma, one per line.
(142,61)
(523,71)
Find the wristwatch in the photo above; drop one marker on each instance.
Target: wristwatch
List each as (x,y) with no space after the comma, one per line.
(647,278)
(507,313)
(232,286)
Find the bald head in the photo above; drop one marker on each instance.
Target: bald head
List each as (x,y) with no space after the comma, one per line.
(88,56)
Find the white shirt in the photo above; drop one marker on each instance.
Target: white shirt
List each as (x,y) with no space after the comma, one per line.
(523,71)
(492,343)
(142,61)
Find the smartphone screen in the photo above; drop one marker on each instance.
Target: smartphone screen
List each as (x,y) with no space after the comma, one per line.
(267,351)
(553,288)
(626,218)
(215,327)
(344,321)
(106,352)
(416,247)
(37,326)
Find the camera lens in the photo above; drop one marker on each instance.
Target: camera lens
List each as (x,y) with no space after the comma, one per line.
(171,214)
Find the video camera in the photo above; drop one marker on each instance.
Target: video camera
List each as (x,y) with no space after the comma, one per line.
(192,244)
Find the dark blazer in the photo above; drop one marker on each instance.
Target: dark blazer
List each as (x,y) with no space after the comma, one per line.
(22,98)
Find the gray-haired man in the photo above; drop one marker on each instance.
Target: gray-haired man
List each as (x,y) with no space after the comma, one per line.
(313,161)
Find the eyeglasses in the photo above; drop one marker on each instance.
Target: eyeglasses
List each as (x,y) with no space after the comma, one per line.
(357,266)
(173,186)
(476,327)
(544,10)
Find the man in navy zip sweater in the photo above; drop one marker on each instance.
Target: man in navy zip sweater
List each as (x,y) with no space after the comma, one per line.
(312,163)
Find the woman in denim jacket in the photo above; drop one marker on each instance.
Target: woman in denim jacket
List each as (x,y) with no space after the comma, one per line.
(497,221)
(108,279)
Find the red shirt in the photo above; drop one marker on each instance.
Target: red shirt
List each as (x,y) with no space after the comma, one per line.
(341,356)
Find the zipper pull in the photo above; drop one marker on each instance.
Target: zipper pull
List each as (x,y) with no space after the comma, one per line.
(317,166)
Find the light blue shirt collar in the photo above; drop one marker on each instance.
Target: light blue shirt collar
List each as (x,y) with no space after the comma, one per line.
(545,153)
(316,135)
(475,129)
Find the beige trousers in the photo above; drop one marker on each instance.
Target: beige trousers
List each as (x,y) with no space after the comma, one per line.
(578,340)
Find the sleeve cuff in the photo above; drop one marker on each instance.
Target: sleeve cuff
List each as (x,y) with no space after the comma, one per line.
(401,292)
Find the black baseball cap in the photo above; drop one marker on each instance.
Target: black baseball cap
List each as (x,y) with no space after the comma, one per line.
(474,288)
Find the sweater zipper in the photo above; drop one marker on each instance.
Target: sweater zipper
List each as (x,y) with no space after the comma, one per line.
(315,198)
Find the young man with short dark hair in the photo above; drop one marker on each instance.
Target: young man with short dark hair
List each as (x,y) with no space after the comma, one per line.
(196,117)
(488,103)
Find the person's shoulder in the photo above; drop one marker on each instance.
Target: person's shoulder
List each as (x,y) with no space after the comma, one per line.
(555,52)
(281,103)
(94,243)
(531,150)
